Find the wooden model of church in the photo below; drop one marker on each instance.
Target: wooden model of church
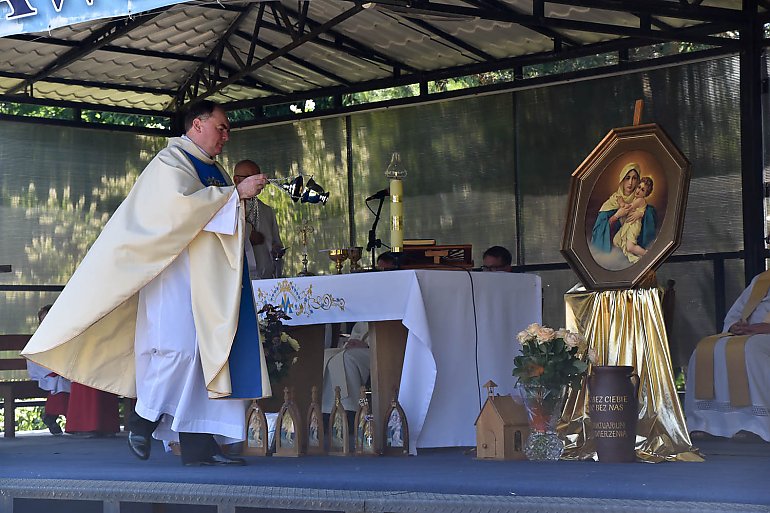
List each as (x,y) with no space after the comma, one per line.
(502,427)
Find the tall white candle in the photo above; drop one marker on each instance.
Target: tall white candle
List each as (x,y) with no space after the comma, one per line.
(396,215)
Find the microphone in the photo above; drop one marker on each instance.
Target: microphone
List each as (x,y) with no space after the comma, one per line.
(384,193)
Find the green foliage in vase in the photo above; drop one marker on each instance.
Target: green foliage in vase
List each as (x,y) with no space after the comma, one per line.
(280,349)
(551,358)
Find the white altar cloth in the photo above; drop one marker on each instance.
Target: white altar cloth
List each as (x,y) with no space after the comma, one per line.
(461,333)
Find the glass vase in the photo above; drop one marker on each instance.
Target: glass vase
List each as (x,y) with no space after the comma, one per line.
(544,407)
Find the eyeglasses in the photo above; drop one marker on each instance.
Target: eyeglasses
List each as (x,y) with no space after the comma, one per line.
(241,176)
(493,268)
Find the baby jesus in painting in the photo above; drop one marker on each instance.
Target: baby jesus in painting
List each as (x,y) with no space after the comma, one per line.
(627,236)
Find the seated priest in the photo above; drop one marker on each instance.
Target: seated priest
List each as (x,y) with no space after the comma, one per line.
(497,259)
(728,392)
(347,366)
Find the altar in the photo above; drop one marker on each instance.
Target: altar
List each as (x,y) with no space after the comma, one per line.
(453,332)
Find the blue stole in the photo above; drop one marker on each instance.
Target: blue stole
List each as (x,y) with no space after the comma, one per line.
(244,361)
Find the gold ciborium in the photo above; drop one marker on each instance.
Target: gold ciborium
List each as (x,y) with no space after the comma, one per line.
(354,254)
(338,256)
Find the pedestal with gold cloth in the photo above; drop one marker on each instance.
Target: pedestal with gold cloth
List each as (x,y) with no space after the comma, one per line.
(625,327)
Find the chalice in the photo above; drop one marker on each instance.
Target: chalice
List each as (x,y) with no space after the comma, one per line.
(354,254)
(338,256)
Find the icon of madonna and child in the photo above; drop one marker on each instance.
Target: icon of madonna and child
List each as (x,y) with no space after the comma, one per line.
(627,221)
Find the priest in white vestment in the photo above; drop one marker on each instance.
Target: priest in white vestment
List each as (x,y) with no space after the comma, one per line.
(155,309)
(718,414)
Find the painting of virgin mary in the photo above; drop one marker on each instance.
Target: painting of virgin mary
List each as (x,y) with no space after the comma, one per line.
(620,209)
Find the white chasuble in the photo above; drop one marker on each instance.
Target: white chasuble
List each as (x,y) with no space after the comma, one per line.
(169,375)
(717,416)
(90,332)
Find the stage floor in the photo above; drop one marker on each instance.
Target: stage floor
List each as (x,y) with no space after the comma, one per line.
(37,466)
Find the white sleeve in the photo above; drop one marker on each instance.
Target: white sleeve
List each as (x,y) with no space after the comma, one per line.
(734,315)
(360,331)
(226,220)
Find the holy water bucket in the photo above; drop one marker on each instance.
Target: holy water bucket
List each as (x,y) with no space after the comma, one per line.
(613,408)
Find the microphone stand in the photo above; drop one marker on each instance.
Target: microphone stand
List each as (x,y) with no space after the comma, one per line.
(374,242)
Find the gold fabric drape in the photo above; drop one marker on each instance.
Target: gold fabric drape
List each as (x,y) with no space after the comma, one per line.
(625,327)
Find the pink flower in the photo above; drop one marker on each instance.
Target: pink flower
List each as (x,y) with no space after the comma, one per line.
(533,328)
(572,339)
(545,334)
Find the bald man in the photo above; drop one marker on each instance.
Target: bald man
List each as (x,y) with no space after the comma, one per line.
(264,261)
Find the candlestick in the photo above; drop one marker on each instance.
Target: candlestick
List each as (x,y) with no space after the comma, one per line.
(396,173)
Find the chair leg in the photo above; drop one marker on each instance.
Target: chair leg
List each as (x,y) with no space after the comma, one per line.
(9,411)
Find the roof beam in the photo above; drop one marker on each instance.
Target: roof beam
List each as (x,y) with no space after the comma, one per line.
(98,39)
(662,8)
(484,67)
(340,43)
(567,24)
(456,41)
(343,44)
(310,36)
(207,72)
(84,106)
(90,83)
(247,81)
(29,38)
(204,72)
(353,47)
(254,38)
(296,60)
(545,31)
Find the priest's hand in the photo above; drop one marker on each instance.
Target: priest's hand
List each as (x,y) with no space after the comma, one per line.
(251,186)
(744,328)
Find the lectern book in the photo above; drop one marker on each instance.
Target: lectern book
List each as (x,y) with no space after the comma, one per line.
(419,242)
(447,257)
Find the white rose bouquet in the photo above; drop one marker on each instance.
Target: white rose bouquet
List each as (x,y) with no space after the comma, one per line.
(551,358)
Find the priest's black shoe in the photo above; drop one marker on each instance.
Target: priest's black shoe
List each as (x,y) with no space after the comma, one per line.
(139,445)
(51,424)
(216,459)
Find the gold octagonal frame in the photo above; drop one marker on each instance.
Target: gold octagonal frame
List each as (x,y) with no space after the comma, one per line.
(618,231)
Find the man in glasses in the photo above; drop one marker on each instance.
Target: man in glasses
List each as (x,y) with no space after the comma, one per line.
(160,308)
(497,259)
(264,259)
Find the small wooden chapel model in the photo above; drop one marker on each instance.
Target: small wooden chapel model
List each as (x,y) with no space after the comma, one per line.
(502,427)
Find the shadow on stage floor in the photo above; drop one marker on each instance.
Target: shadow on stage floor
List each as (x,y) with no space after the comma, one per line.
(40,472)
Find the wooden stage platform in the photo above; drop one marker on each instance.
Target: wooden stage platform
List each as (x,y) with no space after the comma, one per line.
(43,473)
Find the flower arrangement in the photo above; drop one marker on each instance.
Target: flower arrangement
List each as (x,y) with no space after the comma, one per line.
(551,358)
(279,347)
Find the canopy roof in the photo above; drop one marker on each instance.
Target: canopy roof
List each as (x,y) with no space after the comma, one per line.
(248,53)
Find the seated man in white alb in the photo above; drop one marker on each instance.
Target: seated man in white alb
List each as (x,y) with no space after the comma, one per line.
(347,367)
(728,392)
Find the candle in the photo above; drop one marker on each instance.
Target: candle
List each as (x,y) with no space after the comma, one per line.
(397,215)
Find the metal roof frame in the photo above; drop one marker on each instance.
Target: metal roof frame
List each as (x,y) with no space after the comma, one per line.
(261,53)
(247,54)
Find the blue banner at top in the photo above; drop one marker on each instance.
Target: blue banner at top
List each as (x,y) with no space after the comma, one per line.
(19,16)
